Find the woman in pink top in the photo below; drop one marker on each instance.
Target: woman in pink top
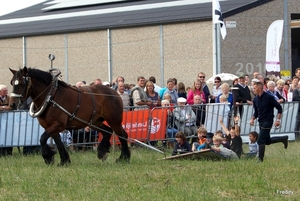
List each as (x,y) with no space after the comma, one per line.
(196,90)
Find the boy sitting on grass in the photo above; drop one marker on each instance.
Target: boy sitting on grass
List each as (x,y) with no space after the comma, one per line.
(225,142)
(202,138)
(218,148)
(182,146)
(207,144)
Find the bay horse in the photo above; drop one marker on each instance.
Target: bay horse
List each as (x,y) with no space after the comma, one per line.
(59,106)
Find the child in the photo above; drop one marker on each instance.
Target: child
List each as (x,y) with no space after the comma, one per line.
(225,143)
(234,137)
(218,148)
(207,144)
(217,144)
(202,138)
(171,130)
(169,98)
(253,146)
(223,99)
(182,146)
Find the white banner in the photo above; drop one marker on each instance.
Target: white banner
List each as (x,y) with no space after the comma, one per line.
(218,17)
(274,36)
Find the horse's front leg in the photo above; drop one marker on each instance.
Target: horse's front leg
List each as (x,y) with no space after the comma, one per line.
(64,155)
(47,152)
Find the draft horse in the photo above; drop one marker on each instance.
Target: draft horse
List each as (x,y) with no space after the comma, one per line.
(58,106)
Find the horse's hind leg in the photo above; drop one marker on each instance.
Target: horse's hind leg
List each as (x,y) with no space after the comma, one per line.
(64,155)
(125,153)
(47,152)
(104,146)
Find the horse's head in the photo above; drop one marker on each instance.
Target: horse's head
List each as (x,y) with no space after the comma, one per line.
(21,83)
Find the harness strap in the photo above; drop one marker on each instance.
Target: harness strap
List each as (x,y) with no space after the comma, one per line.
(94,106)
(72,116)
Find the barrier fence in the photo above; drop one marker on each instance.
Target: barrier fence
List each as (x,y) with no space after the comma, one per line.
(17,128)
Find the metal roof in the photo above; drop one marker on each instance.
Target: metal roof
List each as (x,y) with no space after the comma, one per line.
(41,19)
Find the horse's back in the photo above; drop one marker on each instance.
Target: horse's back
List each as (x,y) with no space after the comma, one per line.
(107,97)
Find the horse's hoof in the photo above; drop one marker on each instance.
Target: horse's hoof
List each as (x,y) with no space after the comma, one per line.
(49,161)
(104,157)
(64,163)
(119,160)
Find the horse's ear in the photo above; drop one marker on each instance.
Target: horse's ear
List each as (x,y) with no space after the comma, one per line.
(24,71)
(13,71)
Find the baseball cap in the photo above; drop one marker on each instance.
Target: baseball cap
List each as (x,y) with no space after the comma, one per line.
(106,83)
(181,100)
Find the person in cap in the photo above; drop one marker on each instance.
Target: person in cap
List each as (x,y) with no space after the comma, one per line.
(106,83)
(242,95)
(185,119)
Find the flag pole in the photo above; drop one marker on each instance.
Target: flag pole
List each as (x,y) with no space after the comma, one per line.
(214,49)
(218,28)
(214,36)
(218,46)
(285,35)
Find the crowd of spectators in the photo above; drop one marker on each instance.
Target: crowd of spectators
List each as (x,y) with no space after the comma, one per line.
(186,104)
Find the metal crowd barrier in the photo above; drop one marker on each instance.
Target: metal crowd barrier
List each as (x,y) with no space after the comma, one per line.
(17,128)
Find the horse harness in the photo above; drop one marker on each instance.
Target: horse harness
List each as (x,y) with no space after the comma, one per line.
(50,99)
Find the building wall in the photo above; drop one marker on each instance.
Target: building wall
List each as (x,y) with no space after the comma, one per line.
(186,49)
(244,49)
(87,56)
(135,52)
(11,56)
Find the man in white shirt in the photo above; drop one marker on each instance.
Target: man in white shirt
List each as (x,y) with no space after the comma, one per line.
(123,94)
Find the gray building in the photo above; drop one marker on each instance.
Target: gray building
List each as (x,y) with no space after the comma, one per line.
(160,38)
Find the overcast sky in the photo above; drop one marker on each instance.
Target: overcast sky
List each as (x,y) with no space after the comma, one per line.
(14,5)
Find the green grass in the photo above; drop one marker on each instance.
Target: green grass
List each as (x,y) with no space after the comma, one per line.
(146,178)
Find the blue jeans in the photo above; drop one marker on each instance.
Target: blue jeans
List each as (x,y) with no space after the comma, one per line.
(264,133)
(171,133)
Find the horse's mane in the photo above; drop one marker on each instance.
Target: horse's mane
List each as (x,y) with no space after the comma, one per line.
(40,75)
(43,76)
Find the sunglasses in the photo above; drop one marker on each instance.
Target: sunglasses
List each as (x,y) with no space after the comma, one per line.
(201,76)
(217,81)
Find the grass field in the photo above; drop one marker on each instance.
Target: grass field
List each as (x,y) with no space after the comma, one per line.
(146,178)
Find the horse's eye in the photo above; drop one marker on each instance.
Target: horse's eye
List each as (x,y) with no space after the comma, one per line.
(16,82)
